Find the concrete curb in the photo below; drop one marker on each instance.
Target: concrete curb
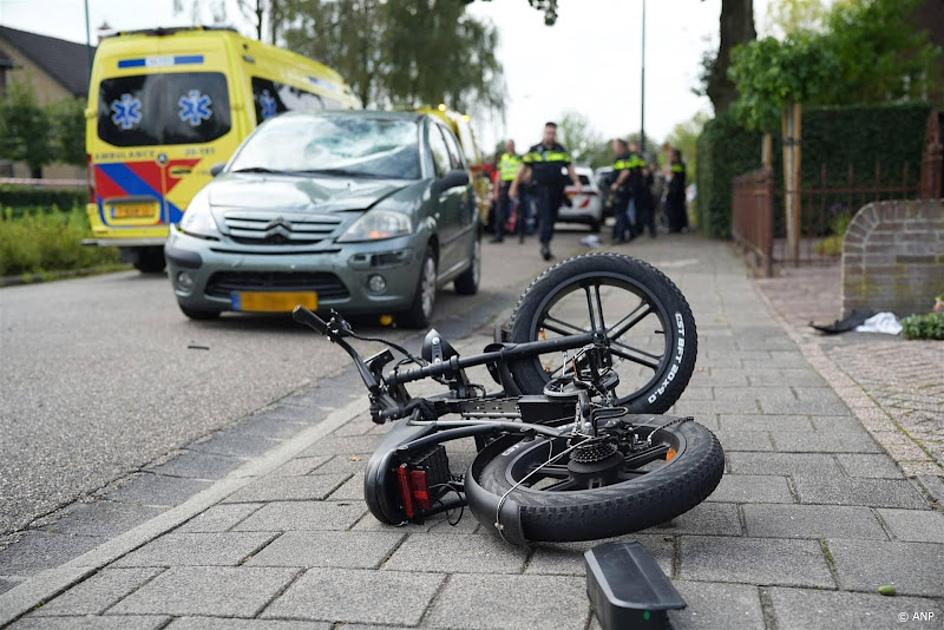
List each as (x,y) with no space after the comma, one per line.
(44,586)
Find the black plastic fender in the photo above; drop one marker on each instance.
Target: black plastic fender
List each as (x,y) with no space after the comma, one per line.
(381,489)
(484,505)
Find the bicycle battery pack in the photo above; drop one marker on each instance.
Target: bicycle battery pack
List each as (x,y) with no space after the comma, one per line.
(627,589)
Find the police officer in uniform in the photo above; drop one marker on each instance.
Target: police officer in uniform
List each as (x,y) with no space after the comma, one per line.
(547,165)
(619,190)
(508,166)
(630,181)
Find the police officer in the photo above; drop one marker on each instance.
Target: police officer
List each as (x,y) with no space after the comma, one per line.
(508,166)
(630,180)
(546,164)
(619,189)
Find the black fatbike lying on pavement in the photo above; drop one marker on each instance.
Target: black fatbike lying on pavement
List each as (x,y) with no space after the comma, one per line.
(573,446)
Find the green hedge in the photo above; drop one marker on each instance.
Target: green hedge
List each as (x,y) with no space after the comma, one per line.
(22,197)
(837,137)
(725,150)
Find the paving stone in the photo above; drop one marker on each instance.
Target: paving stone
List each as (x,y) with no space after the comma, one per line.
(234,443)
(7,584)
(705,518)
(759,422)
(211,623)
(348,464)
(220,548)
(37,550)
(800,609)
(699,408)
(815,407)
(477,553)
(785,376)
(754,560)
(567,558)
(358,596)
(125,622)
(816,465)
(727,376)
(305,488)
(303,516)
(271,424)
(198,465)
(717,606)
(857,491)
(752,489)
(915,525)
(496,602)
(95,594)
(811,521)
(328,549)
(768,394)
(101,518)
(151,489)
(299,466)
(215,591)
(697,393)
(876,466)
(218,518)
(914,568)
(351,490)
(795,442)
(837,424)
(745,440)
(343,445)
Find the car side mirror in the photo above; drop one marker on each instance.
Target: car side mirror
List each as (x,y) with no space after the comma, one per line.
(216,169)
(452,179)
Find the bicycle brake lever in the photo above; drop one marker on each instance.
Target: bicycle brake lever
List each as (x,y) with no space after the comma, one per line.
(305,317)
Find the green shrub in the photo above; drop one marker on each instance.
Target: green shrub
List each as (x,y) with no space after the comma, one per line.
(39,240)
(930,326)
(863,137)
(28,198)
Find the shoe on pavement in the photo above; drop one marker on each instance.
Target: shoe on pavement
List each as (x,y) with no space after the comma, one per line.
(546,253)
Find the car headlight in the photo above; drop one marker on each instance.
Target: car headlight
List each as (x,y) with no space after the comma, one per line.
(198,220)
(377,225)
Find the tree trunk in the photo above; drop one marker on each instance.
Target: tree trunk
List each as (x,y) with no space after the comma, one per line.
(36,172)
(790,126)
(737,27)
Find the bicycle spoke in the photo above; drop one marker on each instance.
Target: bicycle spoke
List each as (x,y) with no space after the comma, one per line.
(623,352)
(641,458)
(633,318)
(552,470)
(561,327)
(566,484)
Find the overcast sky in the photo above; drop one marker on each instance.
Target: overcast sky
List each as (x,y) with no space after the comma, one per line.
(588,61)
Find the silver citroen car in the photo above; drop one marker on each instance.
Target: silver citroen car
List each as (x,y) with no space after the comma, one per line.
(363,212)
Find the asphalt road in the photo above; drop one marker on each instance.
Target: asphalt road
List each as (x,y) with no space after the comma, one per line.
(101,375)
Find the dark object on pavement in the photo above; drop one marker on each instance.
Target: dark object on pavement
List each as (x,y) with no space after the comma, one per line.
(627,589)
(856,318)
(571,447)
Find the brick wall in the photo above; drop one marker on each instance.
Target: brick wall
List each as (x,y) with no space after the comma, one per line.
(893,257)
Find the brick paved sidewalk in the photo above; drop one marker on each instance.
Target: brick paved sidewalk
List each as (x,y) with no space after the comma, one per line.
(895,386)
(811,517)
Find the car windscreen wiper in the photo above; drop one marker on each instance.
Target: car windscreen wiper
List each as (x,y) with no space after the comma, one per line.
(263,169)
(343,172)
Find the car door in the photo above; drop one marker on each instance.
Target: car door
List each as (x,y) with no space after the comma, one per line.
(467,211)
(446,202)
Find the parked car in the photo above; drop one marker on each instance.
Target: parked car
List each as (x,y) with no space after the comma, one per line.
(585,207)
(360,211)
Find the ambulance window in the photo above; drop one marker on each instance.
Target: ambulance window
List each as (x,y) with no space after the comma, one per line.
(272,98)
(169,108)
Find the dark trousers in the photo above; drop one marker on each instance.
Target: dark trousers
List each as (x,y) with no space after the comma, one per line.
(625,217)
(548,200)
(502,210)
(645,219)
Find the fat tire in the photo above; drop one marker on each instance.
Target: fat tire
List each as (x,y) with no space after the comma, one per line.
(618,509)
(663,391)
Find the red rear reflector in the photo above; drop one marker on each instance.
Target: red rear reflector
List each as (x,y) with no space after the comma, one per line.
(405,492)
(586,202)
(420,488)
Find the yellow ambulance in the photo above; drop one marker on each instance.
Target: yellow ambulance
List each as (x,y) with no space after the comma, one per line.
(166,106)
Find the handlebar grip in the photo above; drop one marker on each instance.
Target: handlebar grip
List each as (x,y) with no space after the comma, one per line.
(303,316)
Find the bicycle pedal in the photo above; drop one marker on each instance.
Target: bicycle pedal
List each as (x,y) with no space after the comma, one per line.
(627,589)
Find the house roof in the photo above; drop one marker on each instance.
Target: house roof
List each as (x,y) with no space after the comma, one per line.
(66,62)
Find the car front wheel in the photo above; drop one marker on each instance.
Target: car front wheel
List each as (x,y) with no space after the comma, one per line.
(420,312)
(468,282)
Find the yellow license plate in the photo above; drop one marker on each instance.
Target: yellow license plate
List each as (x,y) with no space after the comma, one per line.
(133,211)
(273,301)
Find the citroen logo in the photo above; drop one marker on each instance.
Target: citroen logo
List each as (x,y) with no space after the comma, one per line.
(278,230)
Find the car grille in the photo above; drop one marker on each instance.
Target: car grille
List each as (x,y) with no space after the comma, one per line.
(254,228)
(328,285)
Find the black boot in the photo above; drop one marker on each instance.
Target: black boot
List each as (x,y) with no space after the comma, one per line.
(546,252)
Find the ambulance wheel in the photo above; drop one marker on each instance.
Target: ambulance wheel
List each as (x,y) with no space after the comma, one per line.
(150,260)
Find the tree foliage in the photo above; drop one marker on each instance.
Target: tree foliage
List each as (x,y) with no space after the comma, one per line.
(403,53)
(770,74)
(68,130)
(868,52)
(576,132)
(787,17)
(25,134)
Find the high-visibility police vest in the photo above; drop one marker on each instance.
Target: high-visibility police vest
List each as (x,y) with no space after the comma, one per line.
(547,164)
(508,167)
(678,167)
